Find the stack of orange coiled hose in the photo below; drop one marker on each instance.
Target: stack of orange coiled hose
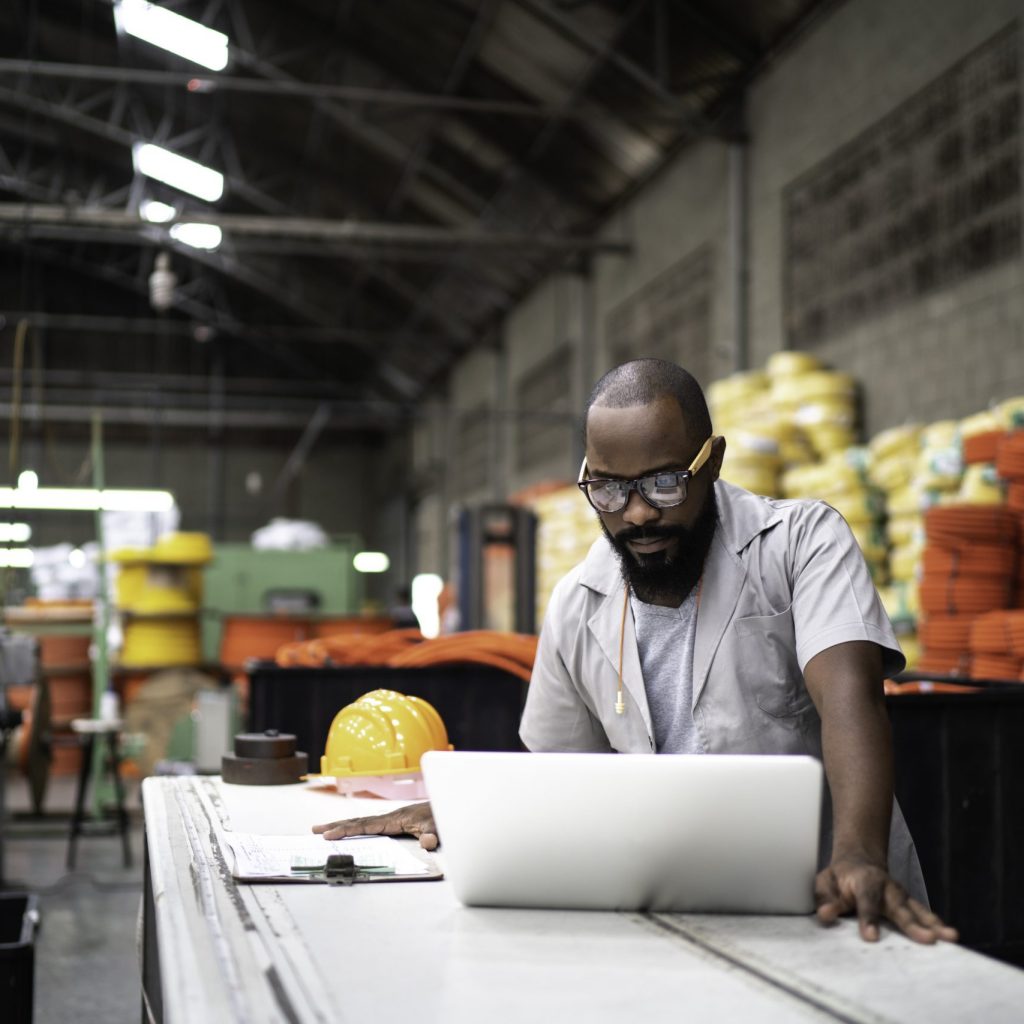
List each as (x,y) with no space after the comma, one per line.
(969,568)
(997,646)
(347,649)
(982,447)
(406,648)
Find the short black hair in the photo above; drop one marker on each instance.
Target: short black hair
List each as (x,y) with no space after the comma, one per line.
(642,381)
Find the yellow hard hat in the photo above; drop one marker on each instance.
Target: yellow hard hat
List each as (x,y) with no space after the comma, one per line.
(382,733)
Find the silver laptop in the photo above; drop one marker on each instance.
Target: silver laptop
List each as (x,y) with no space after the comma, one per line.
(721,833)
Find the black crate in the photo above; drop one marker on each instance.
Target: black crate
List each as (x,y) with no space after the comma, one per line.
(479,706)
(19,916)
(959,762)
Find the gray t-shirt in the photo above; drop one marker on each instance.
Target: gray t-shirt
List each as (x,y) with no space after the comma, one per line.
(665,638)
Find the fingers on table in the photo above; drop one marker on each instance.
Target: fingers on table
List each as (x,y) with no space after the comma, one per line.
(916,921)
(373,826)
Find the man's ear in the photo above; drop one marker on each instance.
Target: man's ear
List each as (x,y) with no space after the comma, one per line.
(716,457)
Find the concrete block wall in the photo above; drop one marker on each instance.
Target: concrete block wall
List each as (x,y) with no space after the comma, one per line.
(953,352)
(948,354)
(684,207)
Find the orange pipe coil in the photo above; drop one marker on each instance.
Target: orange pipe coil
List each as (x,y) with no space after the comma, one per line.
(983,447)
(965,595)
(1010,456)
(956,525)
(969,560)
(996,666)
(945,632)
(406,648)
(999,633)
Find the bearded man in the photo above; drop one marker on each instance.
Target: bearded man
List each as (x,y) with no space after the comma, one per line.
(709,620)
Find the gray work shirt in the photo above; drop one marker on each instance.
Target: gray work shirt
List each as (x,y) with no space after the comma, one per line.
(784,580)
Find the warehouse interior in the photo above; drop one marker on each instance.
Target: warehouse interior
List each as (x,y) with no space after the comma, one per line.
(334,363)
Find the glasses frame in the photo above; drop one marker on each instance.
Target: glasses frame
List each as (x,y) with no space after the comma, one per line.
(583,482)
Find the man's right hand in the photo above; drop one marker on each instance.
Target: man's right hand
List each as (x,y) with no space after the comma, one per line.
(413,819)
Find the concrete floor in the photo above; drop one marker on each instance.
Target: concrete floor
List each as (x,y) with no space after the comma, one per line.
(86,952)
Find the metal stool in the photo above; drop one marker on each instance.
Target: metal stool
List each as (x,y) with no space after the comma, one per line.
(88,729)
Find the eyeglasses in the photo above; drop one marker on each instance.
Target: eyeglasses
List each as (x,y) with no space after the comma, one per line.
(659,490)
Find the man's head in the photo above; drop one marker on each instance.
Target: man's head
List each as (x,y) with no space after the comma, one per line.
(644,417)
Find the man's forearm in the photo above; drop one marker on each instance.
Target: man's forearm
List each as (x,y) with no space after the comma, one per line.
(858,766)
(856,748)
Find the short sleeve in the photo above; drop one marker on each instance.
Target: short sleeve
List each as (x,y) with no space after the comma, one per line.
(834,597)
(555,717)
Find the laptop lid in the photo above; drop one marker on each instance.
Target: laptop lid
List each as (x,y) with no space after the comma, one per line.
(721,833)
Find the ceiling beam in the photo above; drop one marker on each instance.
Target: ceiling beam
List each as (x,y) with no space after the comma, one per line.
(274,347)
(110,129)
(205,418)
(363,96)
(605,50)
(298,333)
(349,232)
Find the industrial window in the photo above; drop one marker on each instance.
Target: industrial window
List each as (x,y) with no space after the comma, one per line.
(668,318)
(925,197)
(545,416)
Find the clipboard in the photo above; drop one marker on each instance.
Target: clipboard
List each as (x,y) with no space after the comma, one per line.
(305,859)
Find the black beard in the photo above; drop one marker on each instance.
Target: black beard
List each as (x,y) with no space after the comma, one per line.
(657,578)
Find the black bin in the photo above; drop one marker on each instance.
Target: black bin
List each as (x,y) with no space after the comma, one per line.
(19,917)
(959,768)
(480,706)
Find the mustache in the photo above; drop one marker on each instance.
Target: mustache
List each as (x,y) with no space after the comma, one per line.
(648,533)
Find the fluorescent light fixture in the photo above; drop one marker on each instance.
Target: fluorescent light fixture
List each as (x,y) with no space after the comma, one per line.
(84,499)
(371,561)
(172,32)
(76,558)
(178,171)
(16,558)
(199,236)
(28,480)
(15,533)
(156,212)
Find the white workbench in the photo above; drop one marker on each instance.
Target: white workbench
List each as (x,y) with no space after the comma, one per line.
(217,951)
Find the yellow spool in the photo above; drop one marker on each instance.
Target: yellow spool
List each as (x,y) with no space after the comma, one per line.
(151,642)
(895,441)
(979,423)
(785,364)
(819,385)
(1010,413)
(737,387)
(900,601)
(941,434)
(981,486)
(828,438)
(905,562)
(130,581)
(182,549)
(904,529)
(894,471)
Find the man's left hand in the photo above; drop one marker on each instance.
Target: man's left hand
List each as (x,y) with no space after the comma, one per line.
(849,886)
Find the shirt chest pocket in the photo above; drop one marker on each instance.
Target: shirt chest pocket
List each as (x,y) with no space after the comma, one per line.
(767,666)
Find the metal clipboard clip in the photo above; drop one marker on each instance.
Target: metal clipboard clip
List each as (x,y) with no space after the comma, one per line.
(341,869)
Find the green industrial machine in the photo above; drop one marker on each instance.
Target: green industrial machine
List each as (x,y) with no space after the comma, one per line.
(242,580)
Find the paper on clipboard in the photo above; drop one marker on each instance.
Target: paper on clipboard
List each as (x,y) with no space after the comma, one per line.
(257,858)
